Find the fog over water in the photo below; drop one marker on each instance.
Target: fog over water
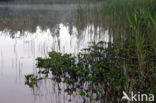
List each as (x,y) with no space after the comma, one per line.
(31,31)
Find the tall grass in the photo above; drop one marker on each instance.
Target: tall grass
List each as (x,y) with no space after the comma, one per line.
(134,31)
(128,63)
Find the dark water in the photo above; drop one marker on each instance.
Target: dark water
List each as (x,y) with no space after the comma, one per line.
(30,31)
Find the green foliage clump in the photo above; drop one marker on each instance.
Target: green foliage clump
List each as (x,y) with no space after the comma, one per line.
(31,80)
(103,70)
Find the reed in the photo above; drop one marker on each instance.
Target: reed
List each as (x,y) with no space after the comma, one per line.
(128,63)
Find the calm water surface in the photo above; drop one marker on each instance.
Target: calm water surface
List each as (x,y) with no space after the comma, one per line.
(30,31)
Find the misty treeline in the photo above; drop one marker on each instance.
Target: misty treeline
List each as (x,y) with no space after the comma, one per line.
(47,0)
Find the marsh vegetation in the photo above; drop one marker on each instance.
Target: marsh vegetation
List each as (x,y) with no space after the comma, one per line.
(94,50)
(127,62)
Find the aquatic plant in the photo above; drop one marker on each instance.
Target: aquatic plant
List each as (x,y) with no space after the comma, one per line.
(31,80)
(103,70)
(97,70)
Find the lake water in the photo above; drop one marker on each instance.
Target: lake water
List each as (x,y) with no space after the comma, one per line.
(30,31)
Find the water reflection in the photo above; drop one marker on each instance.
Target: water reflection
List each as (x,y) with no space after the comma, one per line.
(28,32)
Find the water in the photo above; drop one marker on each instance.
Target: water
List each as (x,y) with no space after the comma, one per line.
(30,31)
